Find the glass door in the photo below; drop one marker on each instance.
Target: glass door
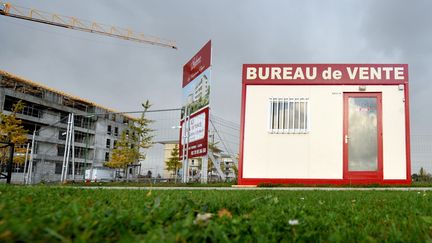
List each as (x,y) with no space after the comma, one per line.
(362,141)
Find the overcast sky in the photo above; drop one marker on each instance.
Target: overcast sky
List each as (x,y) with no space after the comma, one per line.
(121,74)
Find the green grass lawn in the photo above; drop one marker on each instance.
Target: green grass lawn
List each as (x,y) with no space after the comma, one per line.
(226,184)
(146,184)
(43,213)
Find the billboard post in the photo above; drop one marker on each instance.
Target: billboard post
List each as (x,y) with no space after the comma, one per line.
(182,139)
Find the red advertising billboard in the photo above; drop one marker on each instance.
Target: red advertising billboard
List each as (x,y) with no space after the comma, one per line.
(198,64)
(198,134)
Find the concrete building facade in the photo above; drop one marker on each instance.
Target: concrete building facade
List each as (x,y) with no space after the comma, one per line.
(97,128)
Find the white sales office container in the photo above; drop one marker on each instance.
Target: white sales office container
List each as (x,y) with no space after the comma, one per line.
(325,124)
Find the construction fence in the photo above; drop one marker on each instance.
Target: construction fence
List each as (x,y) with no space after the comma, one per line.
(93,147)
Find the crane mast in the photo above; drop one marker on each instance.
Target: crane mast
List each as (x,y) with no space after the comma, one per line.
(14,11)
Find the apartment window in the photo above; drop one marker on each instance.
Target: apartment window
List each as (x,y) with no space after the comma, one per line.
(80,152)
(108,143)
(30,109)
(81,137)
(78,121)
(106,156)
(115,144)
(80,168)
(109,130)
(125,120)
(289,115)
(64,117)
(37,150)
(30,127)
(62,134)
(116,131)
(60,150)
(58,168)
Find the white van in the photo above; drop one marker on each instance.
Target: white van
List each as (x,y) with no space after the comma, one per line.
(100,174)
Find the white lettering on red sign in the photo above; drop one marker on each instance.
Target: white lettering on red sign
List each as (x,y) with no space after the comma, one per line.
(350,72)
(376,73)
(264,73)
(195,62)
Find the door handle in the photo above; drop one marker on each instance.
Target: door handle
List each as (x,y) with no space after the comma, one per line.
(346,138)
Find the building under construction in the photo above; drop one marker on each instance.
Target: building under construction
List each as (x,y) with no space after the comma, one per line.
(46,111)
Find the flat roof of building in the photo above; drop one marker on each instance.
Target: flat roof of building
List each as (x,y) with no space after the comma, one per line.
(79,99)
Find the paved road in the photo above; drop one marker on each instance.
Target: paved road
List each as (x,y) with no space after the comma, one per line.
(264,188)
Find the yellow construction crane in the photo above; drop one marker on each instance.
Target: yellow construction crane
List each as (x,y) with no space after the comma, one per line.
(15,11)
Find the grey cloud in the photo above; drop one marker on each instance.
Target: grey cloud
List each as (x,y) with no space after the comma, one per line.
(121,74)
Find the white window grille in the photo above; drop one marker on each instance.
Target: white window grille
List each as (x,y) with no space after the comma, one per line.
(289,115)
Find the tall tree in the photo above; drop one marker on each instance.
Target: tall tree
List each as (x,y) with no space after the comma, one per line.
(173,163)
(132,142)
(143,131)
(11,131)
(125,153)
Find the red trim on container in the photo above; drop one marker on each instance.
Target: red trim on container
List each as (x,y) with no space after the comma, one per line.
(242,125)
(298,181)
(363,174)
(407,133)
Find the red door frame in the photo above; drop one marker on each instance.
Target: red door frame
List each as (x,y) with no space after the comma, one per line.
(355,175)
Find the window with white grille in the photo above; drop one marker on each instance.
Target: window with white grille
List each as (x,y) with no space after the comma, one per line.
(289,115)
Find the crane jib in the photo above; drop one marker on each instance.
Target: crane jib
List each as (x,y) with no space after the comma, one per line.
(13,11)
